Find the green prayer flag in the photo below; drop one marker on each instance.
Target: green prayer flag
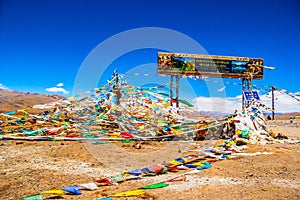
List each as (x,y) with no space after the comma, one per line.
(154,186)
(33,197)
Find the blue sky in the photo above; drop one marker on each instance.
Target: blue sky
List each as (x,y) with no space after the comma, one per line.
(44,43)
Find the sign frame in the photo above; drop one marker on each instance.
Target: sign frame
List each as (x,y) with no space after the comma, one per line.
(209,65)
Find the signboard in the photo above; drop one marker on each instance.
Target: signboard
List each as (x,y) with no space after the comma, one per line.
(207,65)
(248,95)
(251,95)
(255,95)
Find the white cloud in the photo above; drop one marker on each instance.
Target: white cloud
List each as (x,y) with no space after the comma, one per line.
(3,87)
(221,89)
(59,85)
(283,103)
(57,90)
(218,104)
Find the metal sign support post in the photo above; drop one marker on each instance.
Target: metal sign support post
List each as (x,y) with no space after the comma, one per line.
(171,90)
(177,90)
(176,87)
(246,86)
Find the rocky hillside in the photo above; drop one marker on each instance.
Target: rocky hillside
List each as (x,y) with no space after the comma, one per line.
(13,100)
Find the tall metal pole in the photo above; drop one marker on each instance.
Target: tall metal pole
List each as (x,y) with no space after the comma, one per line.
(177,91)
(171,90)
(273,102)
(249,89)
(243,97)
(246,86)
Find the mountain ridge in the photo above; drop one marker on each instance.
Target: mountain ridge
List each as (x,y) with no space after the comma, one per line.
(15,100)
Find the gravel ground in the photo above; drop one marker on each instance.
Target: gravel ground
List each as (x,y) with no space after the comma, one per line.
(28,168)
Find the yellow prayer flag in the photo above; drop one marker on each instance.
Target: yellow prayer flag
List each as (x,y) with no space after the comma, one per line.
(56,192)
(129,193)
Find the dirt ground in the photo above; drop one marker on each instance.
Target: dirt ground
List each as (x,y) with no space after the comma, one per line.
(27,168)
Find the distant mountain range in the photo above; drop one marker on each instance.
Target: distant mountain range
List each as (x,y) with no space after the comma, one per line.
(284,115)
(277,115)
(14,100)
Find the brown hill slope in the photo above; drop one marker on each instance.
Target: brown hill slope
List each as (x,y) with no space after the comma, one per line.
(13,100)
(287,115)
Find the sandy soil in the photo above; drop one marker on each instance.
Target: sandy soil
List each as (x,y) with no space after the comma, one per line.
(27,168)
